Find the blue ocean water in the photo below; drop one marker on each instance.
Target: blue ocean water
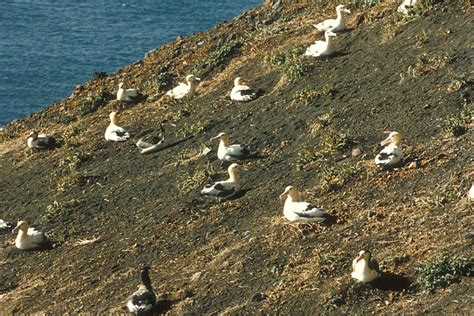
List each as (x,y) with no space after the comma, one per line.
(47,47)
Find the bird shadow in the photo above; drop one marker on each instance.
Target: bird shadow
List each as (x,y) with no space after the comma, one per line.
(334,55)
(389,281)
(165,303)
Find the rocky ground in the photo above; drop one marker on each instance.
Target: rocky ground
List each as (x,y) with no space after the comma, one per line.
(409,74)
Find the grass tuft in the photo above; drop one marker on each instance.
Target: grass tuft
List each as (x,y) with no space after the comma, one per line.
(443,271)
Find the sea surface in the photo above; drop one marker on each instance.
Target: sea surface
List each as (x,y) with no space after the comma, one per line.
(48,47)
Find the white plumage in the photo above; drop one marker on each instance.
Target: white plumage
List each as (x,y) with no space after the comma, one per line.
(297,211)
(114,132)
(471,193)
(28,237)
(336,25)
(241,92)
(227,152)
(184,89)
(322,48)
(227,188)
(143,300)
(127,94)
(405,6)
(392,155)
(364,268)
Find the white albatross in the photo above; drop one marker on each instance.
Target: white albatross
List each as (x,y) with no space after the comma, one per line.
(322,48)
(227,188)
(392,155)
(336,25)
(471,193)
(127,94)
(297,211)
(365,268)
(4,225)
(227,152)
(28,237)
(37,141)
(114,132)
(406,6)
(143,300)
(184,89)
(152,143)
(241,92)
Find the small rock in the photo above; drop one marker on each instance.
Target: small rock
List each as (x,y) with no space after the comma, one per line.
(356,152)
(258,297)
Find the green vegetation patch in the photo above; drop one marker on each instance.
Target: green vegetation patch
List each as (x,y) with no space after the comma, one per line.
(59,209)
(444,271)
(92,103)
(217,57)
(164,79)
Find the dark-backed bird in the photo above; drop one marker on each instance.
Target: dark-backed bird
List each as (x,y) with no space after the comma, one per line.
(296,210)
(143,300)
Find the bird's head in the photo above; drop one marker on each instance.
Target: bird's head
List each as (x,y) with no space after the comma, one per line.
(393,138)
(21,225)
(342,8)
(363,255)
(289,191)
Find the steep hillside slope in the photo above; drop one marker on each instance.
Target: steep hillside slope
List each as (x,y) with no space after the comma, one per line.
(411,75)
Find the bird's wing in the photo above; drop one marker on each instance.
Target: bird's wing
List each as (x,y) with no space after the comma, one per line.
(120,132)
(237,151)
(224,191)
(45,141)
(180,89)
(373,264)
(142,300)
(307,210)
(36,237)
(389,155)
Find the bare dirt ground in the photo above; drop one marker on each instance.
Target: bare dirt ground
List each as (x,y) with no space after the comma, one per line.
(412,75)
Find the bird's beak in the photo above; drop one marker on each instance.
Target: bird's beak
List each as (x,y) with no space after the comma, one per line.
(197,79)
(216,137)
(347,10)
(16,229)
(173,124)
(386,141)
(283,195)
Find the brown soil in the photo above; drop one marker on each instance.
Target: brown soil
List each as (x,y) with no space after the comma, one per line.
(241,256)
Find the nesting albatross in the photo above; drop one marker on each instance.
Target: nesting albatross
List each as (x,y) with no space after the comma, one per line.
(227,152)
(241,92)
(336,25)
(28,237)
(297,211)
(143,300)
(114,132)
(152,143)
(392,155)
(225,189)
(40,141)
(365,268)
(322,48)
(184,89)
(127,94)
